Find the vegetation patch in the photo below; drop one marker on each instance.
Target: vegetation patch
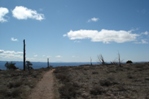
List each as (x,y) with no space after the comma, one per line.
(103,81)
(18,84)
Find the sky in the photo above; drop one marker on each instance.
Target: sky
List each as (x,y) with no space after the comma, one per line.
(74,30)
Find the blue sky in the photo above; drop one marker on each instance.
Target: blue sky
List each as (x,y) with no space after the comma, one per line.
(74,30)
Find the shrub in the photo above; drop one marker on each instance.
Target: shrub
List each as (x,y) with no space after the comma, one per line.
(108,82)
(121,88)
(3,92)
(129,62)
(62,77)
(69,90)
(94,72)
(29,65)
(105,83)
(14,84)
(14,93)
(101,59)
(97,90)
(10,66)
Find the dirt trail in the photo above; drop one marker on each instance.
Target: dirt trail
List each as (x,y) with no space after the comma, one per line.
(44,89)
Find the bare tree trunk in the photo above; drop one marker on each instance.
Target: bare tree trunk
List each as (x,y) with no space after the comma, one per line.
(119,59)
(91,61)
(48,62)
(24,58)
(101,59)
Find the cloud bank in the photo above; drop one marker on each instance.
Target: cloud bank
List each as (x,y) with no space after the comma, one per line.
(23,13)
(105,36)
(3,12)
(11,54)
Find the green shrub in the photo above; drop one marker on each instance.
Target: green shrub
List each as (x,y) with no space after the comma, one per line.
(10,66)
(129,62)
(29,65)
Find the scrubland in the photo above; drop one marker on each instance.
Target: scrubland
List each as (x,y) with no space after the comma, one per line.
(109,81)
(128,81)
(17,84)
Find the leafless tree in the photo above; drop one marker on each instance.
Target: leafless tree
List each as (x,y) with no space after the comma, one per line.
(101,59)
(119,60)
(91,61)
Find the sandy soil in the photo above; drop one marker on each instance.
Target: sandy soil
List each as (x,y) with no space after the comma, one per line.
(44,89)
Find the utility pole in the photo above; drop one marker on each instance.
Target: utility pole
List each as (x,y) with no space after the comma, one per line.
(24,60)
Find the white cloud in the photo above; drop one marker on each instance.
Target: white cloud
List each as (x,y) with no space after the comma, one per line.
(48,56)
(58,56)
(144,41)
(14,39)
(11,55)
(3,12)
(105,36)
(1,51)
(93,19)
(146,33)
(23,13)
(10,52)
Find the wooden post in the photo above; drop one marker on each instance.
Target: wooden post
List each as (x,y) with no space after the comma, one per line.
(24,60)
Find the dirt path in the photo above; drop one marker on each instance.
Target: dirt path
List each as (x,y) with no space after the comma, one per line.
(44,89)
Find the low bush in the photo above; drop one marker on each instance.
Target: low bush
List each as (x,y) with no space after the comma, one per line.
(68,91)
(97,90)
(108,82)
(121,88)
(10,66)
(14,84)
(94,72)
(129,62)
(62,77)
(105,83)
(15,92)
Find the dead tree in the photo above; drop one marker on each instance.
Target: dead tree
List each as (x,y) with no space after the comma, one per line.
(119,60)
(91,61)
(48,65)
(24,53)
(101,59)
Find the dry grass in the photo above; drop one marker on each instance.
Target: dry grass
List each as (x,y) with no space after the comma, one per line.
(129,81)
(18,84)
